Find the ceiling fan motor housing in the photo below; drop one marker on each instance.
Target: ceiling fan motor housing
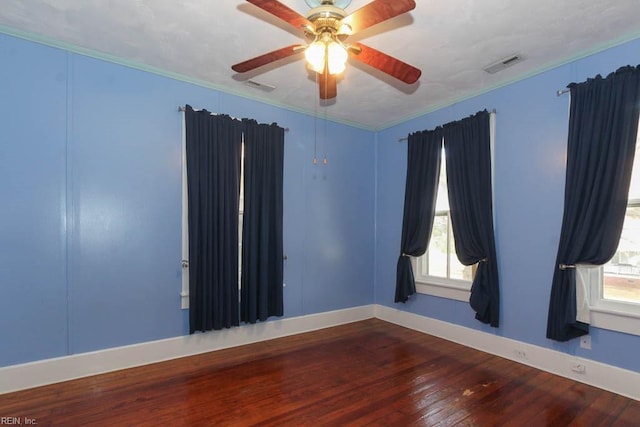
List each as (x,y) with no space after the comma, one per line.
(326,18)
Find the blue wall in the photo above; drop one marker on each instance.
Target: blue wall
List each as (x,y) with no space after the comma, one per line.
(90,184)
(530,150)
(90,192)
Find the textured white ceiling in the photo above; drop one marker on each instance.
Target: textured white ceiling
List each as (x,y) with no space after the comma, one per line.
(450,41)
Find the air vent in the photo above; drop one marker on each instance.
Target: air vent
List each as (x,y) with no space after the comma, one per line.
(261,86)
(504,63)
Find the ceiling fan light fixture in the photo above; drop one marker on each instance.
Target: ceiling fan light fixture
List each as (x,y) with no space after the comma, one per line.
(337,57)
(315,55)
(327,53)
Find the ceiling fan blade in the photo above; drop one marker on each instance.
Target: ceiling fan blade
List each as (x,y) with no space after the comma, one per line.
(328,85)
(267,58)
(385,63)
(376,12)
(283,12)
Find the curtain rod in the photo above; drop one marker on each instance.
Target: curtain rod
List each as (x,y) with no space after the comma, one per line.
(182,109)
(561,92)
(405,138)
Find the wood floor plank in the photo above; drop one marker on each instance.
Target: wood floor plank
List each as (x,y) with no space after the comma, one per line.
(364,373)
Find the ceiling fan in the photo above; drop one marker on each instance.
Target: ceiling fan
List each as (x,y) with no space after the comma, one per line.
(327,27)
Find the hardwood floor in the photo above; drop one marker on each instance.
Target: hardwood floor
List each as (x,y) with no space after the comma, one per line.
(364,373)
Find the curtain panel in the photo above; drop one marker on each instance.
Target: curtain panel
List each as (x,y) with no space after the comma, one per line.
(603,125)
(213,148)
(467,145)
(421,189)
(262,246)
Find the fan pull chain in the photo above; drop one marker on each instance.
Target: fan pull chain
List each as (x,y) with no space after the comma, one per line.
(324,142)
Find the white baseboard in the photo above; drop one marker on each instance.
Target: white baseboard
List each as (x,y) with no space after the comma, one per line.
(49,371)
(601,375)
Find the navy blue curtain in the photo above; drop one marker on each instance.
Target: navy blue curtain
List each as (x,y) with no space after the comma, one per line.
(603,124)
(467,145)
(213,146)
(423,169)
(262,253)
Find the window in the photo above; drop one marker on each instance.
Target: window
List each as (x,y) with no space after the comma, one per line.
(612,291)
(622,273)
(438,271)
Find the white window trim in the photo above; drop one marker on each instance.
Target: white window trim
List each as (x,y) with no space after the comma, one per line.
(184,293)
(439,286)
(604,313)
(459,290)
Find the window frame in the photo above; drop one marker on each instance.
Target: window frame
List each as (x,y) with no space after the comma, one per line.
(604,313)
(455,289)
(439,286)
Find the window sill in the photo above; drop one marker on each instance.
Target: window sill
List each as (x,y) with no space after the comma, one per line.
(455,290)
(615,320)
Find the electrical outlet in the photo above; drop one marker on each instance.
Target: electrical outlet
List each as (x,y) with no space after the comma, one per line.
(585,342)
(520,354)
(578,368)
